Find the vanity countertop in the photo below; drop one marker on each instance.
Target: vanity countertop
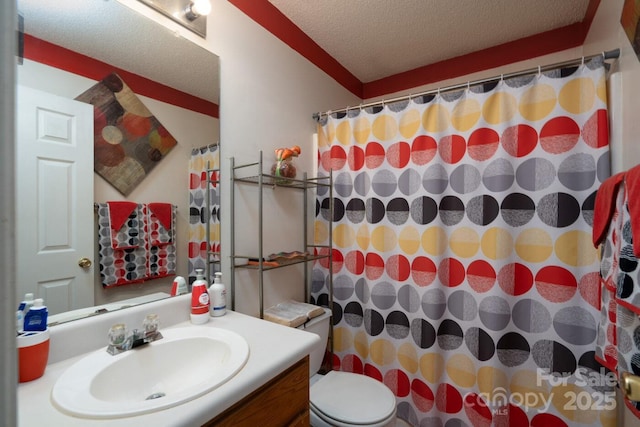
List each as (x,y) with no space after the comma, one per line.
(272,349)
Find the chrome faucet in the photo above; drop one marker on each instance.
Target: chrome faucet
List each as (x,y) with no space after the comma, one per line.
(120,340)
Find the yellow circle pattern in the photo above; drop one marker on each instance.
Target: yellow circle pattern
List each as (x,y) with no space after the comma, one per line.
(321,232)
(537,102)
(575,248)
(575,403)
(436,118)
(534,245)
(385,128)
(461,370)
(466,114)
(578,95)
(342,339)
(344,236)
(408,357)
(432,367)
(343,133)
(383,238)
(363,237)
(361,130)
(499,108)
(409,240)
(410,124)
(323,139)
(491,380)
(464,242)
(526,384)
(361,344)
(434,241)
(497,243)
(382,352)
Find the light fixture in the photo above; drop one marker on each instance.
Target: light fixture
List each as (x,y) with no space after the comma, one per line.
(198,8)
(191,14)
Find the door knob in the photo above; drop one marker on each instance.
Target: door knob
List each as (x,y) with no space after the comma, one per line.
(84,262)
(630,385)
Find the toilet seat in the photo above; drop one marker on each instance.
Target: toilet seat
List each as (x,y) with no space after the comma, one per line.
(346,399)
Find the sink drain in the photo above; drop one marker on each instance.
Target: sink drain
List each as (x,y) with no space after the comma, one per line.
(156,396)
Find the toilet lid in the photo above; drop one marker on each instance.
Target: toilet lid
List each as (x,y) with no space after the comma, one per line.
(352,398)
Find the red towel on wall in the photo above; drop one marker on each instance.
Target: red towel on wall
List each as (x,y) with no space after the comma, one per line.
(163,212)
(605,206)
(119,212)
(123,252)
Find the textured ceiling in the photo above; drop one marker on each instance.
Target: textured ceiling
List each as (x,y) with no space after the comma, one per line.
(115,34)
(374,39)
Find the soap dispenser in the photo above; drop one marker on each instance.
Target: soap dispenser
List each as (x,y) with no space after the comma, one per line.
(36,317)
(218,296)
(199,299)
(179,286)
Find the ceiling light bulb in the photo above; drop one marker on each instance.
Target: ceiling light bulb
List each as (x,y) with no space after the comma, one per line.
(200,7)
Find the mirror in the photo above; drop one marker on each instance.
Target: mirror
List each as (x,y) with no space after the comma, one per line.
(148,45)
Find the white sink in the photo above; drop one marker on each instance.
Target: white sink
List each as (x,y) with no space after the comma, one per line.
(188,362)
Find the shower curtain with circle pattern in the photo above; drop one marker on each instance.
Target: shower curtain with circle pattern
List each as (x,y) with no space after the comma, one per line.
(201,181)
(463,270)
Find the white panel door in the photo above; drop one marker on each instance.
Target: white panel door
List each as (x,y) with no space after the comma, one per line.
(54,193)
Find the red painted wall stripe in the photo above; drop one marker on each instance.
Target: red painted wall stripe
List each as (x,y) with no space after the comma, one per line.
(56,56)
(268,16)
(497,56)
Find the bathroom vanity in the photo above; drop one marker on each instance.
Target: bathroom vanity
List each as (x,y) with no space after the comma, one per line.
(272,389)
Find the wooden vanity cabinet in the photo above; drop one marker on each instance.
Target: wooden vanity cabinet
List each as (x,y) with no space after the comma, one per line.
(282,402)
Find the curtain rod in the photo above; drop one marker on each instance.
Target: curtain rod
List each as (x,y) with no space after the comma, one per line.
(611,54)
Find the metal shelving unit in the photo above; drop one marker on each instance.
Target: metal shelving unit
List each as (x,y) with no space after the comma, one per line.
(252,174)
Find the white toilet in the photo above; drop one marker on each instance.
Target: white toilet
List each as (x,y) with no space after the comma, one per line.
(345,399)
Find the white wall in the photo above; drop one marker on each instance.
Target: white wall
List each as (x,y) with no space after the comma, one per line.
(167,182)
(268,94)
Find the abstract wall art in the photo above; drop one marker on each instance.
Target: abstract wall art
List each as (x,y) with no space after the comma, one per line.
(129,141)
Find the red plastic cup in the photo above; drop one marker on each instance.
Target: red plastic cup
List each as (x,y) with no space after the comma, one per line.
(33,354)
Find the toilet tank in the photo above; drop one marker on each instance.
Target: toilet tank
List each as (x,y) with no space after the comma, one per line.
(319,325)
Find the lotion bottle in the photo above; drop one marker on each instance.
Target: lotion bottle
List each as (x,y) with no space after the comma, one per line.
(36,317)
(199,299)
(26,304)
(179,286)
(218,296)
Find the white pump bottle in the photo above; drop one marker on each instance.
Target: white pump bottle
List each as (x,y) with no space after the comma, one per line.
(218,296)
